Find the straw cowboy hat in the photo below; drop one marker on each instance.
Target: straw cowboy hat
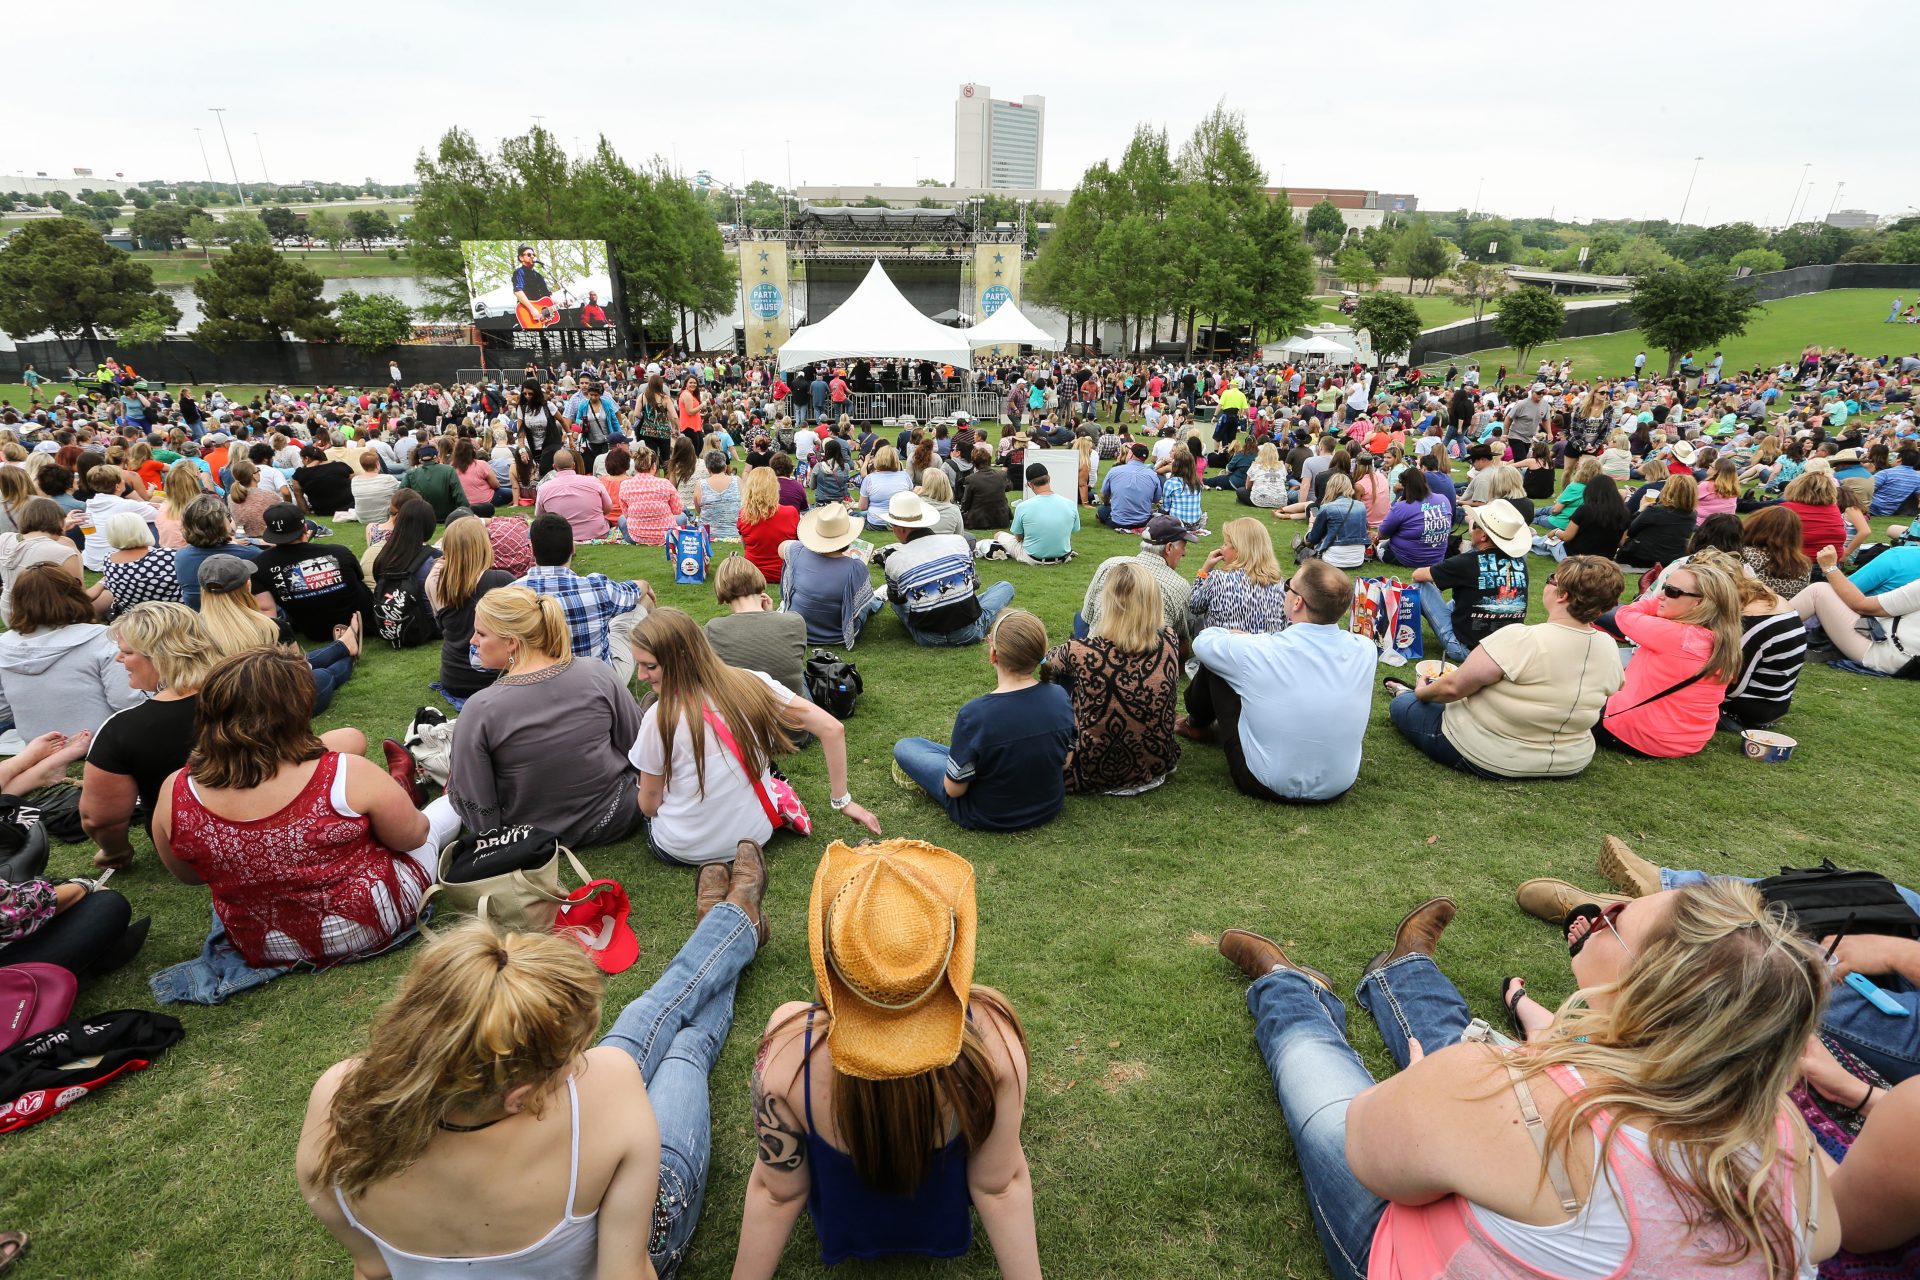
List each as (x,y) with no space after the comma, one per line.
(1684,453)
(828,529)
(909,510)
(1501,519)
(890,927)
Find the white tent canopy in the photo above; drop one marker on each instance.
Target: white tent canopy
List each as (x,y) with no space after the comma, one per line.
(1009,327)
(876,321)
(1296,344)
(1321,345)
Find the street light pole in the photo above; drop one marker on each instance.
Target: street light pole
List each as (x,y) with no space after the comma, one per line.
(220,114)
(1799,190)
(1688,198)
(1477,188)
(1836,196)
(201,138)
(262,151)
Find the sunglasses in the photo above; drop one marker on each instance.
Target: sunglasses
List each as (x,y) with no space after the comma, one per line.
(1674,593)
(1596,918)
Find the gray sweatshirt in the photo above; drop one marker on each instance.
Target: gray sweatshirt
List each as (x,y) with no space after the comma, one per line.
(63,680)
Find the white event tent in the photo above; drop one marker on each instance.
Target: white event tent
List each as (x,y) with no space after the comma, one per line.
(876,321)
(1009,327)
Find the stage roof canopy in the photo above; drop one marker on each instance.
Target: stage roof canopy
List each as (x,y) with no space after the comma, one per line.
(854,218)
(876,321)
(1009,327)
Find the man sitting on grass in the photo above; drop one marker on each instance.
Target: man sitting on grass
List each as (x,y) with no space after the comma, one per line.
(601,613)
(1290,708)
(1128,494)
(1043,524)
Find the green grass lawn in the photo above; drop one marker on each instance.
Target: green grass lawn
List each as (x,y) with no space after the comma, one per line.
(1434,308)
(1851,318)
(1149,1105)
(183,266)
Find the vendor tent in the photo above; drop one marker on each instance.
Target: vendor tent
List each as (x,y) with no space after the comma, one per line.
(1296,344)
(876,321)
(1009,327)
(1321,345)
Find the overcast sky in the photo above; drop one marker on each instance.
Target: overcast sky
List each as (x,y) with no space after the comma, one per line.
(1599,113)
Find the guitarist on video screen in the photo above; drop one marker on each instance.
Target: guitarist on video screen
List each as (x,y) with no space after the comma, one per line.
(536,309)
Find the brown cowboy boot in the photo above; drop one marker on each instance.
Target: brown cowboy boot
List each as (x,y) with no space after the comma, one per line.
(715,880)
(1259,956)
(750,886)
(1419,931)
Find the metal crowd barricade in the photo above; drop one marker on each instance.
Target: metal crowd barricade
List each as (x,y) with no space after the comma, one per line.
(976,404)
(876,406)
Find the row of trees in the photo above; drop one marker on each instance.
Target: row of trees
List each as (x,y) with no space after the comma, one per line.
(148,194)
(1193,233)
(668,249)
(59,276)
(1642,248)
(169,226)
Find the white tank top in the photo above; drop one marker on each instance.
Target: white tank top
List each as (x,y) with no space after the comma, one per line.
(568,1252)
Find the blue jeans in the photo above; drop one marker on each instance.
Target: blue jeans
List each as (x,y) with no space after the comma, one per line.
(1302,1033)
(925,761)
(1438,611)
(331,664)
(1104,514)
(1080,628)
(1890,1045)
(1419,723)
(992,601)
(675,1032)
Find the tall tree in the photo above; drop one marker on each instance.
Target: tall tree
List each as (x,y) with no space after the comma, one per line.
(365,226)
(1325,218)
(1356,268)
(1478,282)
(58,276)
(1528,317)
(1222,194)
(371,321)
(460,193)
(1390,321)
(1282,279)
(1420,255)
(280,222)
(1691,307)
(256,295)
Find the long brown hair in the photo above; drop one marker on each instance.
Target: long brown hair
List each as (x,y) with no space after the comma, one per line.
(255,716)
(893,1129)
(479,1014)
(1776,533)
(692,677)
(466,553)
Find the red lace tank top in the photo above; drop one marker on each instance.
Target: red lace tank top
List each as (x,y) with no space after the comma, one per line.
(308,872)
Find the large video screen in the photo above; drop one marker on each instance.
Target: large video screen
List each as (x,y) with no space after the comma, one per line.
(540,284)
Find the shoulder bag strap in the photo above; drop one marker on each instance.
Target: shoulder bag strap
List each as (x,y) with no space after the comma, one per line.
(1537,1130)
(719,727)
(1698,675)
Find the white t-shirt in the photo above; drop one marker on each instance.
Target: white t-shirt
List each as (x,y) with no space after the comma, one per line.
(1163,449)
(693,827)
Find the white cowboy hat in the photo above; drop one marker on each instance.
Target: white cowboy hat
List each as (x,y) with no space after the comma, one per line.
(909,511)
(1684,453)
(1501,519)
(828,529)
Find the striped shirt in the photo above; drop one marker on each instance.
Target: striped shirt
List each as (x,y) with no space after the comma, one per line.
(650,503)
(1773,647)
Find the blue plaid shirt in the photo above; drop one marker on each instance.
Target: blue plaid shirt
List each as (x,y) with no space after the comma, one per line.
(590,603)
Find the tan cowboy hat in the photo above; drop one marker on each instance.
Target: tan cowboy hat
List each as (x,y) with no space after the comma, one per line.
(891,930)
(1501,519)
(828,529)
(910,511)
(1684,453)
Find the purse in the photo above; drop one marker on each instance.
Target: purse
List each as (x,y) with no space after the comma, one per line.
(777,798)
(508,877)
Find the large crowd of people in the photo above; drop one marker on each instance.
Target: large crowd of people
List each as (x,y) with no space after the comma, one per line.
(1693,541)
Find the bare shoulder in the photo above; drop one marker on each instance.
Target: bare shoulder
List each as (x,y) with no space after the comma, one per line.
(329,1084)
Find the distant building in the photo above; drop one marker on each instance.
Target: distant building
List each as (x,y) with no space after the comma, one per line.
(1361,208)
(997,142)
(907,197)
(1853,219)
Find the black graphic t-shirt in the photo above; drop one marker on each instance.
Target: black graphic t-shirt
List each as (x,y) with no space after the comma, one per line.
(1489,592)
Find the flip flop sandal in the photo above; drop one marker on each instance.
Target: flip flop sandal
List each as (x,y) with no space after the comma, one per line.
(13,1247)
(1512,990)
(1395,686)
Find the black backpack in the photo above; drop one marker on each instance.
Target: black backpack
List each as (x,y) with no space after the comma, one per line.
(400,609)
(1823,898)
(833,684)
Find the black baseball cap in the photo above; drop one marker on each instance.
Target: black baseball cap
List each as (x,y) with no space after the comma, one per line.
(1165,530)
(1038,474)
(284,524)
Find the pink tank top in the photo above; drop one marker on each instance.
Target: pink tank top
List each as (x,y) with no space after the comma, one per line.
(1443,1240)
(293,871)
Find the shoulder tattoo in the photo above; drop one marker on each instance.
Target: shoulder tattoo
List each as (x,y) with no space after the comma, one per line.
(782,1144)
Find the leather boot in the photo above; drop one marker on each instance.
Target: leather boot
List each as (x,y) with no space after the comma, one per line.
(1259,956)
(1419,931)
(400,765)
(750,886)
(1550,900)
(715,880)
(1631,873)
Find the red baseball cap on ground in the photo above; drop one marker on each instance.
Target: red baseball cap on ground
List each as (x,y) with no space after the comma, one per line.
(595,916)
